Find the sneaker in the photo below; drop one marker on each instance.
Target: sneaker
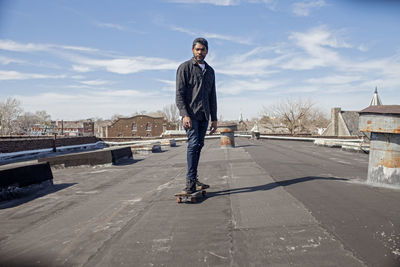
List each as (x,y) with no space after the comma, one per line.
(200,186)
(190,187)
(188,191)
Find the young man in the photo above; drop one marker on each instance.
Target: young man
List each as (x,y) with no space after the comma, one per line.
(196,100)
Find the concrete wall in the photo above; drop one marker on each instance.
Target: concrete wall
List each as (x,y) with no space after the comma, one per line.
(98,157)
(351,119)
(384,159)
(342,126)
(15,144)
(25,175)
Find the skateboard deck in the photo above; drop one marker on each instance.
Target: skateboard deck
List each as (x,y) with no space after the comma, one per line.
(183,197)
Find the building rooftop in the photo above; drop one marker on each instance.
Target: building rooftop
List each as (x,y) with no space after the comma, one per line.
(384,109)
(271,203)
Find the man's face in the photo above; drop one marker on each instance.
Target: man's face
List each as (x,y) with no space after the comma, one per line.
(199,52)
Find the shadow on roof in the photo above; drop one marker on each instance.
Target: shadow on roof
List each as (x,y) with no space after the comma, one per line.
(247,145)
(272,185)
(126,162)
(29,196)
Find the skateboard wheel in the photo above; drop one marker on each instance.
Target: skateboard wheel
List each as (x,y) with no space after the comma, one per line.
(179,200)
(203,193)
(193,200)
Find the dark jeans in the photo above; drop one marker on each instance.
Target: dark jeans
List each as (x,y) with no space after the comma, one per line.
(195,143)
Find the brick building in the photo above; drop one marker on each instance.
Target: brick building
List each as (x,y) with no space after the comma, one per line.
(140,126)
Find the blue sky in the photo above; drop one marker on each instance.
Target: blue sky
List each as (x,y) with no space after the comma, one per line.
(81,59)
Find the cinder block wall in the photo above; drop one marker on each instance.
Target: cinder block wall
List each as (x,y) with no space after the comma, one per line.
(8,145)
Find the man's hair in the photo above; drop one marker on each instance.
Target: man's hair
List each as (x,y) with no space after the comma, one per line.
(200,41)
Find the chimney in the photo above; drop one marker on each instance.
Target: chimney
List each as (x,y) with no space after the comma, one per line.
(335,120)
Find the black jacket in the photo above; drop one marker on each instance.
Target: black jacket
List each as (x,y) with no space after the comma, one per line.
(195,91)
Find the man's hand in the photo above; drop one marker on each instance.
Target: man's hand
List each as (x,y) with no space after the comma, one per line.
(187,122)
(213,127)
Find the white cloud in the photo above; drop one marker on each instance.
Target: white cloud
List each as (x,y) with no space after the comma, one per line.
(316,49)
(110,25)
(262,1)
(10,45)
(124,93)
(334,79)
(256,62)
(76,48)
(270,3)
(14,75)
(78,77)
(211,2)
(81,86)
(95,82)
(80,68)
(231,106)
(317,43)
(363,48)
(293,89)
(7,60)
(208,35)
(92,103)
(170,85)
(121,65)
(321,48)
(304,8)
(318,37)
(235,87)
(125,65)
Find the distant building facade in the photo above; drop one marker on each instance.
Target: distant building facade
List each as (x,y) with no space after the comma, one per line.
(68,128)
(345,123)
(65,128)
(137,126)
(88,128)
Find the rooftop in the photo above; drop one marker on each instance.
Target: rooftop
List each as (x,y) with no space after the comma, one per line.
(385,109)
(271,203)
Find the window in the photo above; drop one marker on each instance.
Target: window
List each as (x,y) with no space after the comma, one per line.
(148,126)
(134,127)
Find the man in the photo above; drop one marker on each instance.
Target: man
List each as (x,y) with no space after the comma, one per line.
(196,100)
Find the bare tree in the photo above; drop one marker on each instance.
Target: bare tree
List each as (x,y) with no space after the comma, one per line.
(171,113)
(157,113)
(293,113)
(43,117)
(116,117)
(316,119)
(9,112)
(265,119)
(27,120)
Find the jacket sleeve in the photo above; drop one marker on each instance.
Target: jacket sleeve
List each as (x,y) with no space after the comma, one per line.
(213,102)
(181,89)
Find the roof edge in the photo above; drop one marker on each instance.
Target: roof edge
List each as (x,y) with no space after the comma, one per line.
(383,109)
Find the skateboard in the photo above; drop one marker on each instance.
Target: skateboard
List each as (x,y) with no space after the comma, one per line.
(183,197)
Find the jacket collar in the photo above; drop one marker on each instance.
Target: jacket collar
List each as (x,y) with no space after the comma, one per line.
(194,62)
